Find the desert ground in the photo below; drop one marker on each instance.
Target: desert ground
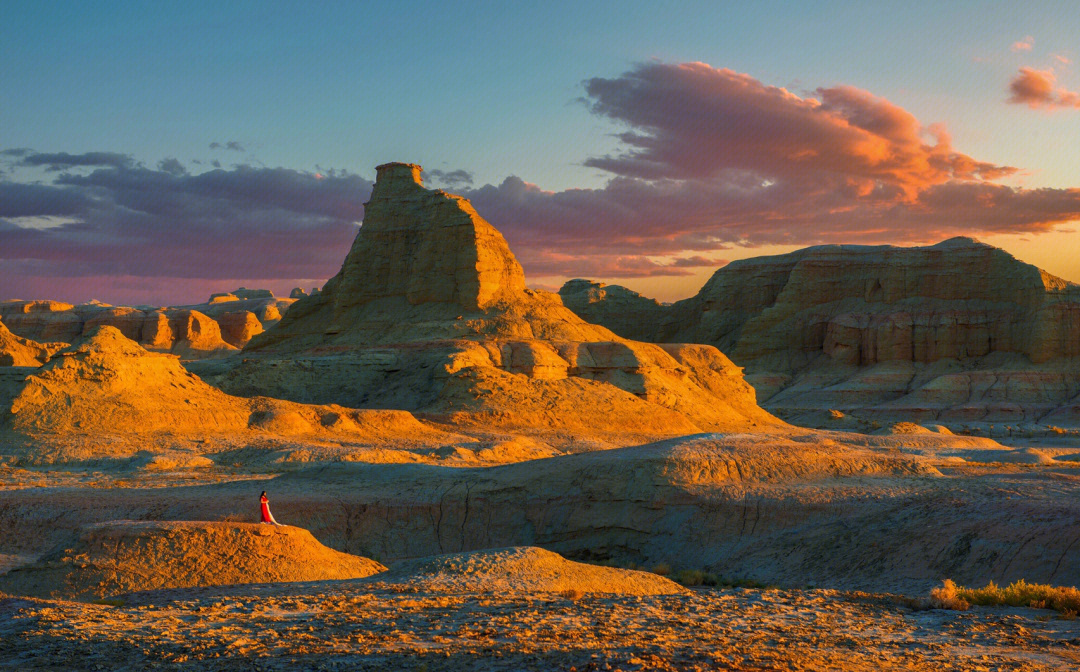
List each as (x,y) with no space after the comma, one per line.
(475,475)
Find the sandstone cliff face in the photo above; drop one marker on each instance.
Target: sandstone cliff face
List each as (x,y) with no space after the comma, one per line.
(211,330)
(957,331)
(430,313)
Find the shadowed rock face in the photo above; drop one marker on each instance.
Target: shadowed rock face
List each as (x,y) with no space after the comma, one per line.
(956,331)
(430,313)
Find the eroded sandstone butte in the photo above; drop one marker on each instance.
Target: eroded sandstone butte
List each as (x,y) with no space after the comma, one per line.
(430,313)
(217,328)
(955,332)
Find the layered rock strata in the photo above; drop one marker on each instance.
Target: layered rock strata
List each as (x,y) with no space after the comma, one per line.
(959,331)
(430,313)
(214,329)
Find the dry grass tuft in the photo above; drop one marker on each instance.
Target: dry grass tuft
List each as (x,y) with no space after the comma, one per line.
(947,596)
(1063,599)
(663,569)
(572,594)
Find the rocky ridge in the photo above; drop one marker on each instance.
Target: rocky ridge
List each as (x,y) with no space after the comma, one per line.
(958,332)
(217,328)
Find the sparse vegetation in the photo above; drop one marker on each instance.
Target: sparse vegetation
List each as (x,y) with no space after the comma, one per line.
(572,594)
(1063,599)
(111,602)
(662,569)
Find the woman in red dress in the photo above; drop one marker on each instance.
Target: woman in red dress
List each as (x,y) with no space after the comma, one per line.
(267,517)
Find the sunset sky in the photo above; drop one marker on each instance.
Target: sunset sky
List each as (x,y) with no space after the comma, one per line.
(158,152)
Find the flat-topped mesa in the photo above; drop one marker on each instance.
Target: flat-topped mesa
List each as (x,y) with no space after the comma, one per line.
(426,245)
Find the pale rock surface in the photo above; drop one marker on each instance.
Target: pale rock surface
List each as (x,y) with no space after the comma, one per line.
(955,332)
(430,313)
(126,556)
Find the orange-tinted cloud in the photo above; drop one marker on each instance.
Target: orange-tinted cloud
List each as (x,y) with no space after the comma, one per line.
(710,158)
(691,120)
(1023,45)
(713,158)
(1035,88)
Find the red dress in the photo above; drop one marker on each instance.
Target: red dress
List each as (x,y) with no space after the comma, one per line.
(267,517)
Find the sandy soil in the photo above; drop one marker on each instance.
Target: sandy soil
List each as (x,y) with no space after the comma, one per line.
(360,626)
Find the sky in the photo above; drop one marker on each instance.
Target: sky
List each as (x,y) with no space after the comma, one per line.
(154,153)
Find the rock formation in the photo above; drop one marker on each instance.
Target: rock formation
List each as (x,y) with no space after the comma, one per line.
(107,397)
(125,556)
(430,313)
(106,382)
(16,351)
(214,329)
(522,569)
(959,331)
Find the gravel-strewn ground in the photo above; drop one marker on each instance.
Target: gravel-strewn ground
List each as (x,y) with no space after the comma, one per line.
(350,626)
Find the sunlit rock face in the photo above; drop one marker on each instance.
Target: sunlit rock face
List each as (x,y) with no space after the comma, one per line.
(430,313)
(217,328)
(851,327)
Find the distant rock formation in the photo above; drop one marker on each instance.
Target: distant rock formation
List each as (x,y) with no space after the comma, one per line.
(215,329)
(300,292)
(430,313)
(241,294)
(125,556)
(959,331)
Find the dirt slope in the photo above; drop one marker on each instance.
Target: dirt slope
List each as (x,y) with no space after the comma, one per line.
(126,556)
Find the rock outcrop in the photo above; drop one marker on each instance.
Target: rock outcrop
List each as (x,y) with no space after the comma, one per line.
(107,382)
(126,556)
(959,331)
(16,351)
(211,330)
(522,569)
(105,397)
(430,313)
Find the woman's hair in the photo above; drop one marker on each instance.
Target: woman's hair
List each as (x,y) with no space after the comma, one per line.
(263,493)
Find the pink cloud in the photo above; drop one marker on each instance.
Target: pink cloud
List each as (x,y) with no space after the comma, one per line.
(691,120)
(1035,88)
(1023,45)
(713,158)
(710,158)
